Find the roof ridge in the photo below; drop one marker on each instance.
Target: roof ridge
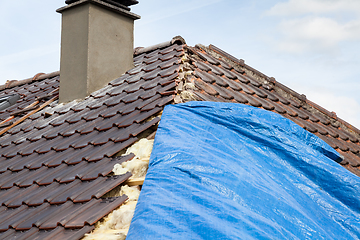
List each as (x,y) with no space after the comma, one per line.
(175,40)
(37,77)
(137,51)
(288,90)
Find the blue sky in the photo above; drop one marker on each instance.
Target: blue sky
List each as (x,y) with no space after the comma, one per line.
(312,46)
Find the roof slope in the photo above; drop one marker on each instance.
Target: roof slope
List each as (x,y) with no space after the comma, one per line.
(54,165)
(58,157)
(218,76)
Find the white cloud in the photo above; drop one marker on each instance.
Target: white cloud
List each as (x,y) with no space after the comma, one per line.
(298,7)
(316,33)
(315,25)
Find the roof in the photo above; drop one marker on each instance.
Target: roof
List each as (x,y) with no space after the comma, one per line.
(55,162)
(218,76)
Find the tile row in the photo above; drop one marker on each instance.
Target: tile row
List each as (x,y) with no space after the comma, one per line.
(48,217)
(59,233)
(63,173)
(91,147)
(89,153)
(58,193)
(27,97)
(164,54)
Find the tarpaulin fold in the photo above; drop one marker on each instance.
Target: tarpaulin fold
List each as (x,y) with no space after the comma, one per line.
(231,171)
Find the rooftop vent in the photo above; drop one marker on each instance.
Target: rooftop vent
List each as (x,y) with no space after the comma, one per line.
(97,42)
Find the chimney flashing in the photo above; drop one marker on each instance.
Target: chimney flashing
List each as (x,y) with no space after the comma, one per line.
(103,4)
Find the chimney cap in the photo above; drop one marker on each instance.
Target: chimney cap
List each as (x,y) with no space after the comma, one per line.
(122,2)
(118,3)
(104,3)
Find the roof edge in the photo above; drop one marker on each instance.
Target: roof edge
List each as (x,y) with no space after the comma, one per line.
(288,90)
(137,51)
(37,77)
(175,40)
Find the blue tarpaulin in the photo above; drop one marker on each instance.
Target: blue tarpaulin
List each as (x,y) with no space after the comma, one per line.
(231,171)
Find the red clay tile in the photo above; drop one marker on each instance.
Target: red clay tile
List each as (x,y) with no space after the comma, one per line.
(158,89)
(71,130)
(331,131)
(221,81)
(289,110)
(94,212)
(151,83)
(7,195)
(87,190)
(77,155)
(133,96)
(216,70)
(205,76)
(167,50)
(300,113)
(281,99)
(62,233)
(158,103)
(246,89)
(151,59)
(146,114)
(117,90)
(131,107)
(223,92)
(278,108)
(238,96)
(253,101)
(67,212)
(353,160)
(166,80)
(225,65)
(170,63)
(119,80)
(208,58)
(133,71)
(265,104)
(206,87)
(151,67)
(320,128)
(353,147)
(98,152)
(29,147)
(126,120)
(133,87)
(169,71)
(168,56)
(111,148)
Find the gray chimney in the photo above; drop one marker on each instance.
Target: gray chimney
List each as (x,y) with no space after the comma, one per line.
(97,42)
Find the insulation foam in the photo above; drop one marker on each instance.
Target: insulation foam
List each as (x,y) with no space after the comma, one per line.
(137,166)
(116,225)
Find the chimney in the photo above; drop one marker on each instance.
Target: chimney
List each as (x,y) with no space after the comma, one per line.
(97,42)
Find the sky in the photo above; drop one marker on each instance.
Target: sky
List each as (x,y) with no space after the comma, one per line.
(311,46)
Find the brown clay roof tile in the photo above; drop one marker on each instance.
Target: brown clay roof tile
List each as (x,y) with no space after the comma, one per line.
(54,165)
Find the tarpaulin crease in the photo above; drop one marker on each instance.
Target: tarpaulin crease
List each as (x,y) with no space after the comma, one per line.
(231,171)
